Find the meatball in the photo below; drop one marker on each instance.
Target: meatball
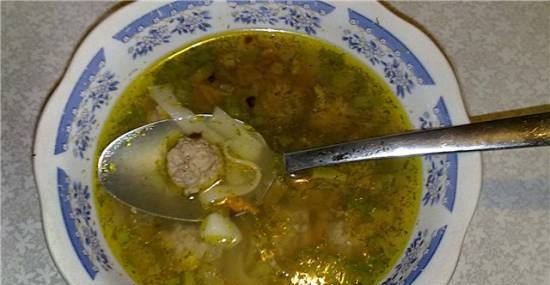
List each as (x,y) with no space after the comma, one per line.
(192,163)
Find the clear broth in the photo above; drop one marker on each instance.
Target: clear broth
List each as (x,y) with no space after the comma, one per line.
(347,225)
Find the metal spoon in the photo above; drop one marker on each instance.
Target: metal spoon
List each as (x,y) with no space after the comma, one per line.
(515,132)
(128,168)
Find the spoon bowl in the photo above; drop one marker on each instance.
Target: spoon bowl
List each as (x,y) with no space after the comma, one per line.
(132,169)
(129,169)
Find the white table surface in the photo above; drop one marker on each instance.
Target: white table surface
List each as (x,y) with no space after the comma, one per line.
(501,52)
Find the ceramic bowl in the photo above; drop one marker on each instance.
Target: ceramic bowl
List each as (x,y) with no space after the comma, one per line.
(138,34)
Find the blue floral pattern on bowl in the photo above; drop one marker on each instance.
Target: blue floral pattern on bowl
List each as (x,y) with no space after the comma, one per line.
(92,92)
(402,69)
(417,256)
(440,182)
(158,26)
(81,227)
(95,97)
(298,15)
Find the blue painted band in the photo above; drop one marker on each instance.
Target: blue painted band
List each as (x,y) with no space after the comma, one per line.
(64,199)
(152,17)
(74,101)
(425,259)
(317,6)
(394,43)
(452,174)
(442,114)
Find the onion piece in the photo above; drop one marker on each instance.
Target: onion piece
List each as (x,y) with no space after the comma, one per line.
(243,142)
(253,166)
(162,94)
(219,230)
(224,124)
(185,118)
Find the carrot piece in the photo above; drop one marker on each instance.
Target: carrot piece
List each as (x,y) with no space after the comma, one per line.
(239,205)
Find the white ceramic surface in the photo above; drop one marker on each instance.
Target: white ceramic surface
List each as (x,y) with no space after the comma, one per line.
(140,33)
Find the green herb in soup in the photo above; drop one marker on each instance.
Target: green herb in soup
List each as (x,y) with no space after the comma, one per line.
(345,224)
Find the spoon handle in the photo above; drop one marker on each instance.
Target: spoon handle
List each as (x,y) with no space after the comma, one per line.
(522,131)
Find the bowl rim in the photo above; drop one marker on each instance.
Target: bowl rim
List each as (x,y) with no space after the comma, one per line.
(120,10)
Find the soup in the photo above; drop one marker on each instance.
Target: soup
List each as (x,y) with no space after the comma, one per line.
(345,224)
